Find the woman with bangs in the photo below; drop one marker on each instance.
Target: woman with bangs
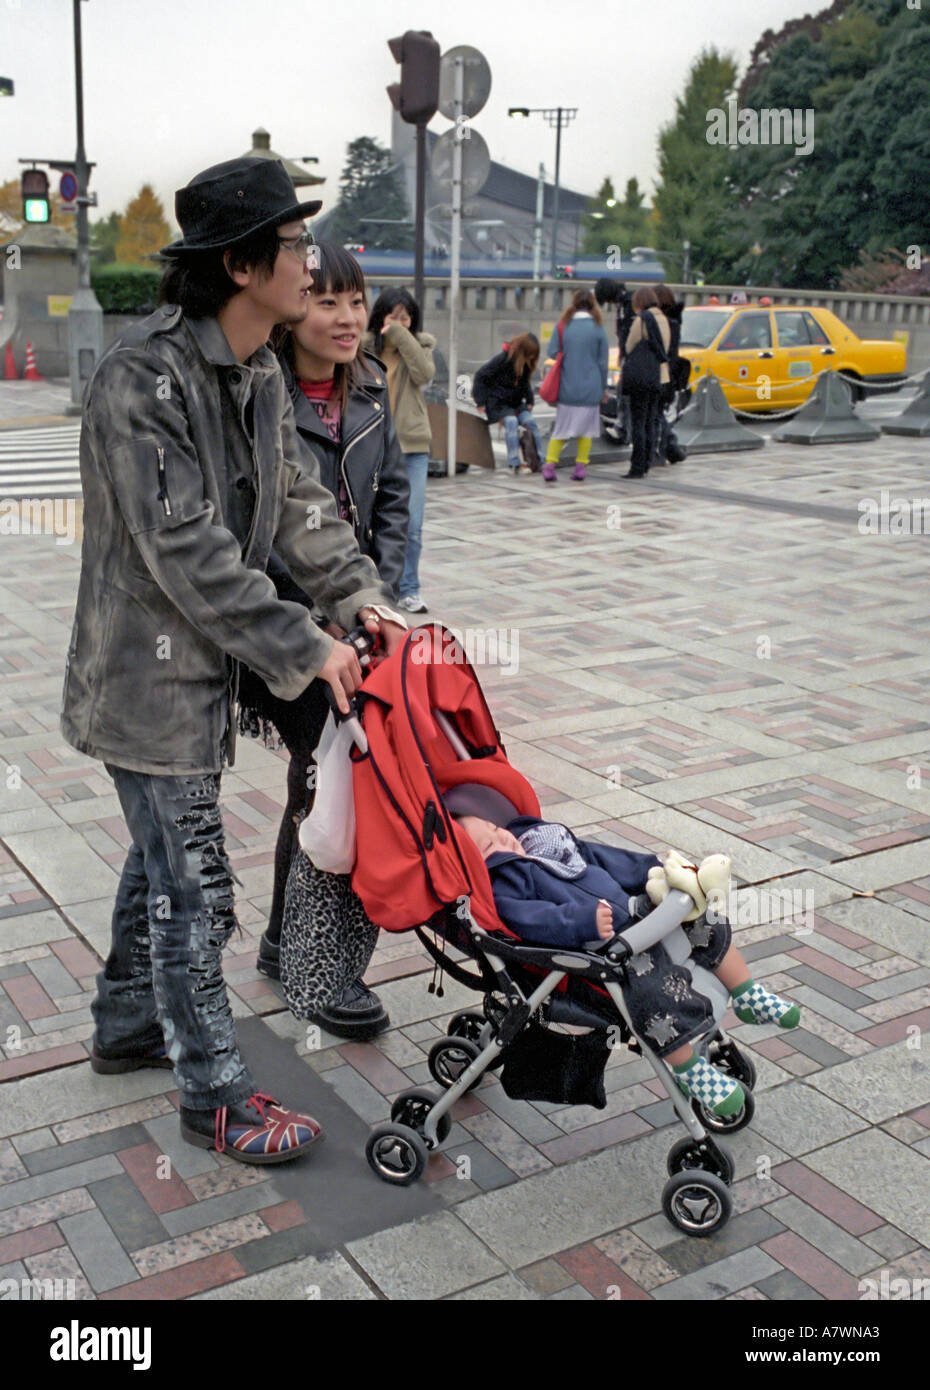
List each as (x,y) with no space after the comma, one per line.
(343,418)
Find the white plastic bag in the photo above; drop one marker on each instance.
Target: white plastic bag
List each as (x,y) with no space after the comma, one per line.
(327,834)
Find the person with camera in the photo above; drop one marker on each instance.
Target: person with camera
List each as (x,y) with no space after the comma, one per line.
(645,373)
(668,450)
(615,292)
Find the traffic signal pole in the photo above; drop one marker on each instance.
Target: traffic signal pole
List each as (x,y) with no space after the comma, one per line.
(419,216)
(85,316)
(455,267)
(416,97)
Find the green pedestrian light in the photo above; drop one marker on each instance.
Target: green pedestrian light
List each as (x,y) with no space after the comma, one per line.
(35,196)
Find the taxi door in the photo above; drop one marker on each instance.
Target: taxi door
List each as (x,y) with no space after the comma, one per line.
(747,362)
(802,352)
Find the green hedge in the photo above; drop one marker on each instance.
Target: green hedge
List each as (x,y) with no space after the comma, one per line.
(126,289)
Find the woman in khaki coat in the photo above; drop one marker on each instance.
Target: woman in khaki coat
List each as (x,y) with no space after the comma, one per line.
(394,336)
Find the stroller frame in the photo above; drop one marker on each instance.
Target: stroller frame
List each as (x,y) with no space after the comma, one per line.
(696,1197)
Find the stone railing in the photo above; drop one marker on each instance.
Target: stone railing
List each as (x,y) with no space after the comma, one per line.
(491,311)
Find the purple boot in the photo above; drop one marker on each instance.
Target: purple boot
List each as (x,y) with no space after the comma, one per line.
(549,472)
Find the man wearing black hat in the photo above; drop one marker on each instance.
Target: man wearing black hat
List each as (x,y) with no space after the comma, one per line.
(190,473)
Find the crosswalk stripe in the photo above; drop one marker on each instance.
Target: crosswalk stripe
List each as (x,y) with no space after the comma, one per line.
(40,462)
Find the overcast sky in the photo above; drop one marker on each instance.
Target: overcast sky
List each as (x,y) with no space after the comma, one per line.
(174,86)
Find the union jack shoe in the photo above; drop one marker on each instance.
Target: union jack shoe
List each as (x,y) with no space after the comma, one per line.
(271,1134)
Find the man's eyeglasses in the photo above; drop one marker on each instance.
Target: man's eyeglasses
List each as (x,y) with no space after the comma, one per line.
(304,248)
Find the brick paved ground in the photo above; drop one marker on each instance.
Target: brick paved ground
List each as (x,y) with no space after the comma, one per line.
(693,670)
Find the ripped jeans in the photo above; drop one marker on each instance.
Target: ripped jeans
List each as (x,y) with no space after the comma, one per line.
(174,914)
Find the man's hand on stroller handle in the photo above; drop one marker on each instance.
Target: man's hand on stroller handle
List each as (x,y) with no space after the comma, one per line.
(343,673)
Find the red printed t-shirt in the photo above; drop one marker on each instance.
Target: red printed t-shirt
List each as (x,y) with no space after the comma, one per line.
(328,406)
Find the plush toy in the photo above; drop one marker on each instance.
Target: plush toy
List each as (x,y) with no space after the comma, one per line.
(706,884)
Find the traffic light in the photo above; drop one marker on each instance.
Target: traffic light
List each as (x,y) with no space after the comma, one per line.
(35,196)
(416,96)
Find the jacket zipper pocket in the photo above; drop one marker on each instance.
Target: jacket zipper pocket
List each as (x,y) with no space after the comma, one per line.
(163,497)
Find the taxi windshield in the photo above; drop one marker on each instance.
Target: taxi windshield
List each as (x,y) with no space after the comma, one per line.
(699,327)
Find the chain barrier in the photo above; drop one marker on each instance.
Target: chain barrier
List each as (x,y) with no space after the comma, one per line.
(758,415)
(746,385)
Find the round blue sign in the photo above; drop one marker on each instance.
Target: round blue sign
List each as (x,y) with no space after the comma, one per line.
(68,187)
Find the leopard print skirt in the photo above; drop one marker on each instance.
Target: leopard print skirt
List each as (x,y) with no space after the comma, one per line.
(326,939)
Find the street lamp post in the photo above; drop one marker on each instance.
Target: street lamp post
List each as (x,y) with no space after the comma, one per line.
(557,117)
(85,317)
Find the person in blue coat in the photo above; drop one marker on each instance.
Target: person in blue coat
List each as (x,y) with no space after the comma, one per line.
(580,336)
(553,889)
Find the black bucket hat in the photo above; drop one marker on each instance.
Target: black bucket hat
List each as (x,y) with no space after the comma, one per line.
(229,201)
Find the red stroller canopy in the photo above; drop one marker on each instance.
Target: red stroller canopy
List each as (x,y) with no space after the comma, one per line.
(429,728)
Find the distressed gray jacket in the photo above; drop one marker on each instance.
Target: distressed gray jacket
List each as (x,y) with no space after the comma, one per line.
(190,468)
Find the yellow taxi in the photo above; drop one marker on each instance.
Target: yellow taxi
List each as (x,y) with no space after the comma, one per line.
(767,357)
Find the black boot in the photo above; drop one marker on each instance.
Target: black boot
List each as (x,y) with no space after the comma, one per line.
(269,957)
(131,1056)
(358,1014)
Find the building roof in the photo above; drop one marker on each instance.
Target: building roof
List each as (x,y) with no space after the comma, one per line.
(261,149)
(518,191)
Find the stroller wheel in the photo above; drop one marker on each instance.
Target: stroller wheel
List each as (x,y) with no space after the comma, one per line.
(726,1124)
(471,1026)
(466,1025)
(396,1153)
(411,1109)
(689,1154)
(698,1203)
(449,1058)
(728,1058)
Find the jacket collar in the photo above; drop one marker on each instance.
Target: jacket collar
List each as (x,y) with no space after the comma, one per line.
(214,347)
(360,407)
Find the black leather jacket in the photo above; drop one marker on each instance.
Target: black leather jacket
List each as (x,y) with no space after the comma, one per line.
(371,465)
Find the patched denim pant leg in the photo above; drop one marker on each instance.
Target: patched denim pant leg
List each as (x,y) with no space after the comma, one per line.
(175,824)
(124,1009)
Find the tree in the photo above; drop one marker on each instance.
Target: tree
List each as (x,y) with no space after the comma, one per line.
(626,224)
(863,66)
(694,200)
(370,188)
(143,229)
(104,235)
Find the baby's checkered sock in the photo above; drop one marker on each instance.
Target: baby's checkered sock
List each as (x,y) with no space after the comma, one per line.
(719,1092)
(753,1003)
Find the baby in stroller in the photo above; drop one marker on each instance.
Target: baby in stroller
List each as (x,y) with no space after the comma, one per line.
(553,889)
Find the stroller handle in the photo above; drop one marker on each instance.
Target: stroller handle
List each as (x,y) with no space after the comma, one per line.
(365,643)
(662,920)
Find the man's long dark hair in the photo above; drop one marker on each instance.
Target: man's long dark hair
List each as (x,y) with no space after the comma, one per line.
(199,282)
(386,301)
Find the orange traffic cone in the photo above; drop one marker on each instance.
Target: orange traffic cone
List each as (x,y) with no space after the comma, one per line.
(10,374)
(31,373)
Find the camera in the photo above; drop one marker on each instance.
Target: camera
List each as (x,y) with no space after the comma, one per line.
(608,291)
